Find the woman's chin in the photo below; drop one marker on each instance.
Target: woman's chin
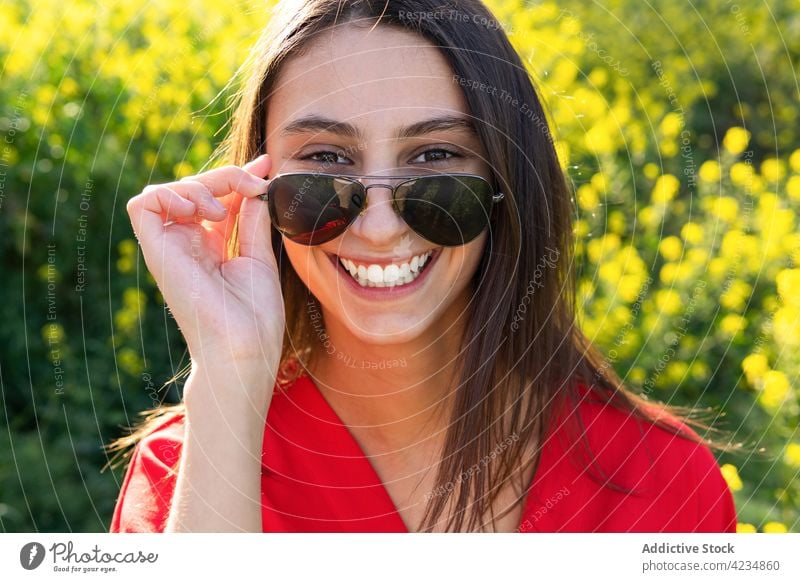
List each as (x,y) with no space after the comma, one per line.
(380,332)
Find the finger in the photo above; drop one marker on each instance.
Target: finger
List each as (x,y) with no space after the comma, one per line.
(208,207)
(255,233)
(227,179)
(156,204)
(259,166)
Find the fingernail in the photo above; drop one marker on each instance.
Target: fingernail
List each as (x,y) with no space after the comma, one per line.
(258,159)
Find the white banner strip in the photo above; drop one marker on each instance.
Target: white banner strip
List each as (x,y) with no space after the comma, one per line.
(382,557)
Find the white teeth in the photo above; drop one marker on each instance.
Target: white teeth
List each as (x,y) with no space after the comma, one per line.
(391,275)
(375,274)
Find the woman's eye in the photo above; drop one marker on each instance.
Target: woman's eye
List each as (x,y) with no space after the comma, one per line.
(327,157)
(433,156)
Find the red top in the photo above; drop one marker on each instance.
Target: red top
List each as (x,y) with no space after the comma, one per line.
(316,478)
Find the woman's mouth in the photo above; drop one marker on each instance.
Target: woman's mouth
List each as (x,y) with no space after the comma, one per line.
(391,275)
(395,273)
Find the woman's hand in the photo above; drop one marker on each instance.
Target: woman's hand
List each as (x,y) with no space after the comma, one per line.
(230,310)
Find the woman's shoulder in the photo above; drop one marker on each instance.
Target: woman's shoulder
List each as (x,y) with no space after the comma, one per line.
(625,461)
(149,480)
(643,436)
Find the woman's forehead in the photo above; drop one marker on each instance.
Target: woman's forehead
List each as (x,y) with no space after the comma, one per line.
(370,77)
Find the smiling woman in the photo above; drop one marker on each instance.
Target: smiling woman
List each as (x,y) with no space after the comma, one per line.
(429,222)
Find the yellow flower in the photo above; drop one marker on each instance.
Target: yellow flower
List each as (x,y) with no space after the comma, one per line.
(736,140)
(637,375)
(692,233)
(53,333)
(676,371)
(598,77)
(732,324)
(628,287)
(125,264)
(581,228)
(791,243)
(710,172)
(598,139)
(631,261)
(736,296)
(726,208)
(717,267)
(182,169)
(587,197)
(756,184)
(741,173)
(792,455)
(754,367)
(775,389)
(774,527)
(671,124)
(600,247)
(665,188)
(786,326)
(610,272)
(745,528)
(600,182)
(134,298)
(794,160)
(617,222)
(793,187)
(773,169)
(697,256)
(732,478)
(671,248)
(668,273)
(669,301)
(649,217)
(651,170)
(130,361)
(700,370)
(789,286)
(668,148)
(127,246)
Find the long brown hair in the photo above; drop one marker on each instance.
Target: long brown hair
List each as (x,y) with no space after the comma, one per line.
(522,350)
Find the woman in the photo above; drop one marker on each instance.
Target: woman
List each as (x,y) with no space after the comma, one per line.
(379,306)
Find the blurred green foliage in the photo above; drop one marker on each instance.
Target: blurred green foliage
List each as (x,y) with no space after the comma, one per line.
(676,121)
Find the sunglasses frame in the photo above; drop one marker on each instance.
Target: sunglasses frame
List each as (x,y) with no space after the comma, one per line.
(496,196)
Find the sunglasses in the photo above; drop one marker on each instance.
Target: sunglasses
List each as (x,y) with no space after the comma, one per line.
(445,209)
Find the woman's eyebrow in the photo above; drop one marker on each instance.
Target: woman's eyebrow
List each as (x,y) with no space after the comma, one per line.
(319,124)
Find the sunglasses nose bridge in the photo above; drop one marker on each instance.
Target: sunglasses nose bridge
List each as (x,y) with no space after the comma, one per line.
(366,193)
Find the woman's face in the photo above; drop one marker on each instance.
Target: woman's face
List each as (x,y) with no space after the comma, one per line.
(396,104)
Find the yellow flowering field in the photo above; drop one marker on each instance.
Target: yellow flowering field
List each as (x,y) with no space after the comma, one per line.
(681,146)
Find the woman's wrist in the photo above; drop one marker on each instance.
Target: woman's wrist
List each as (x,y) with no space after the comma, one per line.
(237,396)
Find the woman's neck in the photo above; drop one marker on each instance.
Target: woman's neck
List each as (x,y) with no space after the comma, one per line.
(395,395)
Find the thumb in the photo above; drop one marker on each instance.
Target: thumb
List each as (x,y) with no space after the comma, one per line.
(255,233)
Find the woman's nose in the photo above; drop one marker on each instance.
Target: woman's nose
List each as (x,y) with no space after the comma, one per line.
(378,223)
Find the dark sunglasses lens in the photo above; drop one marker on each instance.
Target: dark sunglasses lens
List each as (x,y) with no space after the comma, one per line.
(446,210)
(311,209)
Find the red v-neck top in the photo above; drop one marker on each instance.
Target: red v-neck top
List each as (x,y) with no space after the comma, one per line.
(316,478)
